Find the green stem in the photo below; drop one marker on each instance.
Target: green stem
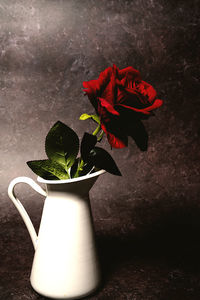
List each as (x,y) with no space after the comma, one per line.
(68,173)
(97,130)
(80,168)
(100,136)
(81,165)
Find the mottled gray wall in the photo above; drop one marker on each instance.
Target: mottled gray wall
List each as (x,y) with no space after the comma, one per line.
(48,48)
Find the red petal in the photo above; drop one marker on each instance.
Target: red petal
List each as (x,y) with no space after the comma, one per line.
(130,72)
(143,110)
(105,76)
(114,141)
(157,103)
(151,92)
(104,103)
(146,93)
(109,91)
(91,88)
(145,89)
(129,98)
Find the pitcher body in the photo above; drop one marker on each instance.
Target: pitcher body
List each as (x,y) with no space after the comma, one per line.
(65,264)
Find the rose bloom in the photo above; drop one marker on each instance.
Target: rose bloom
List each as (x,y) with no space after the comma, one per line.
(120,97)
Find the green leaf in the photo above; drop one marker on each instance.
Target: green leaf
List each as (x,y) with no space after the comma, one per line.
(87,144)
(48,169)
(62,145)
(93,117)
(103,160)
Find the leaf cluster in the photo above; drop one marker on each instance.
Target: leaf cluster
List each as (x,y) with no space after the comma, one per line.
(62,148)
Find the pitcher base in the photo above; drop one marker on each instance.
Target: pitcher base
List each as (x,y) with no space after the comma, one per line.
(65,296)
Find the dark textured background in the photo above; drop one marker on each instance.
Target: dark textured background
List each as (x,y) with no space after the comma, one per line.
(148,221)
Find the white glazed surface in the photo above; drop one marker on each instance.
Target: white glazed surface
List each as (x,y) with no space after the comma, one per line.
(41,180)
(65,264)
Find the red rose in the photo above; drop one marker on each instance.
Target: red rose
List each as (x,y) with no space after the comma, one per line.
(117,90)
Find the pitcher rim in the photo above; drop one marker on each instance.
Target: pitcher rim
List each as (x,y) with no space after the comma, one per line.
(60,181)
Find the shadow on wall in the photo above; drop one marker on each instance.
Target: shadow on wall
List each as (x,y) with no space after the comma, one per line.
(173,237)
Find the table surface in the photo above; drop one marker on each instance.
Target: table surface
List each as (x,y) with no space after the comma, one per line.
(162,264)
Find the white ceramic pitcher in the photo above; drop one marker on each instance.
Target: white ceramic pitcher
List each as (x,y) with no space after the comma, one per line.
(65,264)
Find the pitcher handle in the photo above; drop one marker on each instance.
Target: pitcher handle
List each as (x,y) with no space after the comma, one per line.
(20,207)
